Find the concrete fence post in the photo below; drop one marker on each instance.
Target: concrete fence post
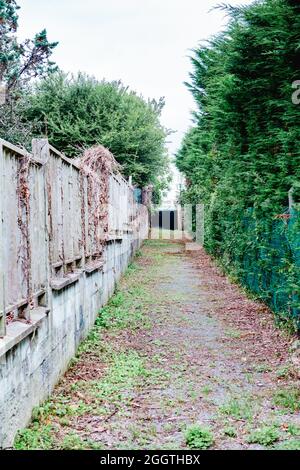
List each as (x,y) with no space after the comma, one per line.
(2,288)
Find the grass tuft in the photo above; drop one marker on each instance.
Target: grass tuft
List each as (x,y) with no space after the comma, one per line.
(198,437)
(34,438)
(292,444)
(265,436)
(288,398)
(230,431)
(239,409)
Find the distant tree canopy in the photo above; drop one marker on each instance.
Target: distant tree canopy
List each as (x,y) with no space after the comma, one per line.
(19,63)
(75,112)
(78,111)
(243,152)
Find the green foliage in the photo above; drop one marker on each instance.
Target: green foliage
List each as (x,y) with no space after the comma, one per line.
(238,409)
(78,112)
(34,438)
(242,155)
(126,370)
(120,312)
(73,441)
(288,398)
(230,431)
(293,429)
(265,436)
(198,437)
(206,390)
(19,63)
(284,372)
(292,444)
(41,438)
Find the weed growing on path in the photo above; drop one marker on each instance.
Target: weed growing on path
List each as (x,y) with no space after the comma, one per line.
(262,368)
(198,437)
(230,431)
(265,436)
(158,358)
(292,444)
(206,390)
(234,334)
(36,437)
(238,409)
(73,441)
(293,430)
(288,398)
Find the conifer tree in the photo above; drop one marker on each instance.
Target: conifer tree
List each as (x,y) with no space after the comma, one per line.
(19,64)
(243,156)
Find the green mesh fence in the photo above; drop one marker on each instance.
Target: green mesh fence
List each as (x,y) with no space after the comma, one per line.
(271,263)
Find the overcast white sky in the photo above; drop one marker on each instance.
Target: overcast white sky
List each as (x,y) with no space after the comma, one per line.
(145,43)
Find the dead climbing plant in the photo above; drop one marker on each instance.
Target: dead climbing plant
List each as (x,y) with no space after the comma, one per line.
(97,164)
(23,194)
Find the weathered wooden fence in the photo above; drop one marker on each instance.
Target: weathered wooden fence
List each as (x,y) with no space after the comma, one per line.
(55,234)
(23,256)
(48,229)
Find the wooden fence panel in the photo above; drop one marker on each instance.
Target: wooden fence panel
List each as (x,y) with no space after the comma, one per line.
(22,236)
(15,256)
(121,205)
(38,229)
(66,198)
(52,223)
(54,181)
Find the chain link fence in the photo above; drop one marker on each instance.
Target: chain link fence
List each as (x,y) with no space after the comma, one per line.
(271,263)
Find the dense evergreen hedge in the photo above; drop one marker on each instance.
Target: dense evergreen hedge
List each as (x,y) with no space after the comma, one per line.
(243,155)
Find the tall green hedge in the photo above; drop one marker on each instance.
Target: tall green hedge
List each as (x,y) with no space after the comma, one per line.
(243,155)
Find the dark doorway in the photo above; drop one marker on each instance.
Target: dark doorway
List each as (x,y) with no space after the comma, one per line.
(167,220)
(160,223)
(172,220)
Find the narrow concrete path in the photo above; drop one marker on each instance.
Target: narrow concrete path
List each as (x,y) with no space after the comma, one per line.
(177,346)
